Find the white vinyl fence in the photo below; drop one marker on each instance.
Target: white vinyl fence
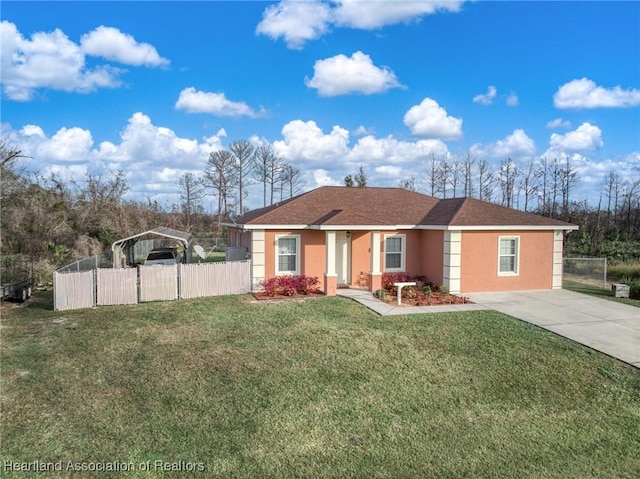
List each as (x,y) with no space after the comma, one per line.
(214,279)
(86,289)
(117,286)
(73,290)
(159,283)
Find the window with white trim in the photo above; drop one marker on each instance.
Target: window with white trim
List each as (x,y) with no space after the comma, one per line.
(508,255)
(394,253)
(288,254)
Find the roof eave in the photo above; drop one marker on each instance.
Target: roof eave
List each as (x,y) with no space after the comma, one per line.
(567,227)
(246,227)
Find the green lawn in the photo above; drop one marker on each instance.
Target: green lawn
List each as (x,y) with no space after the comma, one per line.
(315,388)
(598,292)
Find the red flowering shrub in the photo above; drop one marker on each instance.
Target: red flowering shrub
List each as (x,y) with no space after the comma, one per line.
(289,285)
(389,278)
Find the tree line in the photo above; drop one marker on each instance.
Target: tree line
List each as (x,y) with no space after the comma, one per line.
(63,220)
(229,172)
(544,186)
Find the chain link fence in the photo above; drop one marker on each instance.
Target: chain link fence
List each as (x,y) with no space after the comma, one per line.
(104,260)
(587,270)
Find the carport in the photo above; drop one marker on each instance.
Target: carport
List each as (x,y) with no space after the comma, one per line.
(123,249)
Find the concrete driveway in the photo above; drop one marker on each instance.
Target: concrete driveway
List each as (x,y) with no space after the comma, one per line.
(606,326)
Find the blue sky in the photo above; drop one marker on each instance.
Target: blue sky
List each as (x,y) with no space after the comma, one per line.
(152,88)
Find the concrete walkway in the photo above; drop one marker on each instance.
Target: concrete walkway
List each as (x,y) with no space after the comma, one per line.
(603,325)
(367,299)
(606,326)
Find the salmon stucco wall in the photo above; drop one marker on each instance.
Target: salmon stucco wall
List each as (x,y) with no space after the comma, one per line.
(432,253)
(479,261)
(360,258)
(312,253)
(413,250)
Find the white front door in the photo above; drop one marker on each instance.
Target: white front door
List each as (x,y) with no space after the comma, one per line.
(343,257)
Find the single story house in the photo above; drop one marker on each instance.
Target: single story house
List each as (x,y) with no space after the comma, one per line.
(348,237)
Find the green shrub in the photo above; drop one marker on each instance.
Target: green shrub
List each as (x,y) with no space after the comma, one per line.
(634,286)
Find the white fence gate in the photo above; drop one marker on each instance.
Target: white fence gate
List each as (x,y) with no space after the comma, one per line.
(101,287)
(117,286)
(158,283)
(74,290)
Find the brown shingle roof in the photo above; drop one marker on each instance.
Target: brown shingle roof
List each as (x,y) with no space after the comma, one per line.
(339,205)
(342,206)
(473,212)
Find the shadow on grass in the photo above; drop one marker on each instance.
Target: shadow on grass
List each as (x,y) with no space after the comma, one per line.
(40,301)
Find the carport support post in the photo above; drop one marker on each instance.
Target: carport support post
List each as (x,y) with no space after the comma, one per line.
(330,275)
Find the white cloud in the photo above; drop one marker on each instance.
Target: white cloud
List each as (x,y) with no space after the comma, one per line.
(586,137)
(300,21)
(194,101)
(363,130)
(486,98)
(431,120)
(391,150)
(512,99)
(388,170)
(516,146)
(154,157)
(584,93)
(47,60)
(32,130)
(367,15)
(341,75)
(295,21)
(322,178)
(68,145)
(111,44)
(559,123)
(51,60)
(305,141)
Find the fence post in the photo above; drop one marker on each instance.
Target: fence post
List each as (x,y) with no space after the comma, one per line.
(605,272)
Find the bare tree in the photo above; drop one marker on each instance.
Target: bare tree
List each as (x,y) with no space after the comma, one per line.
(443,178)
(12,180)
(486,181)
(631,203)
(454,176)
(191,192)
(507,174)
(614,185)
(268,168)
(243,155)
(568,178)
(8,153)
(291,180)
(220,176)
(409,183)
(528,183)
(467,175)
(549,174)
(433,169)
